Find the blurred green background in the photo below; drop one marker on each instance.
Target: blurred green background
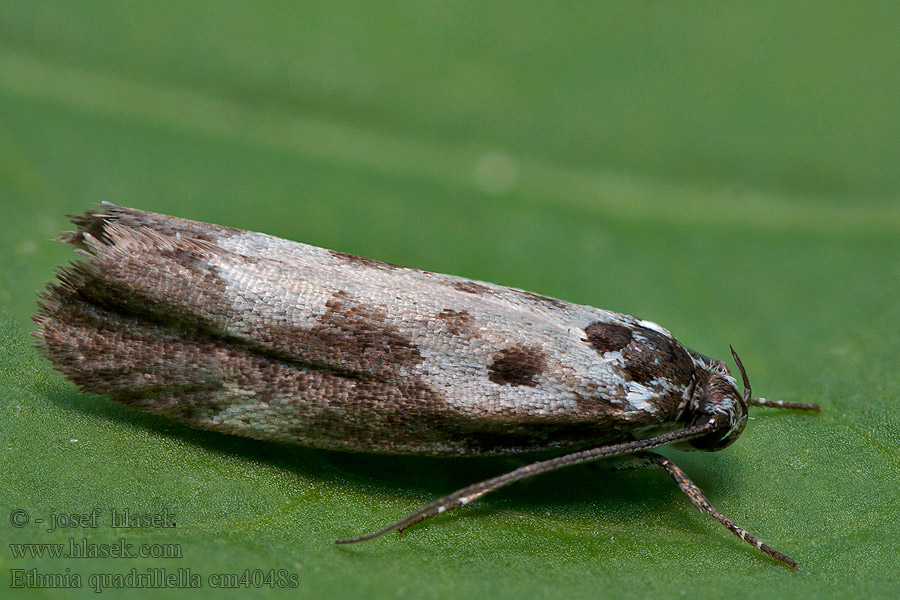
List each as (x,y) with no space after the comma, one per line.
(727,170)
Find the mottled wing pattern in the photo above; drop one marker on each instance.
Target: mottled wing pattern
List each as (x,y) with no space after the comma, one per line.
(251,334)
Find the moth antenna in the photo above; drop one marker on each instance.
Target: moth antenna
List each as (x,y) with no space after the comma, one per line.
(737,360)
(782,404)
(764,401)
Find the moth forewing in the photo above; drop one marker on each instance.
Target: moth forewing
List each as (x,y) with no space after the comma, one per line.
(253,335)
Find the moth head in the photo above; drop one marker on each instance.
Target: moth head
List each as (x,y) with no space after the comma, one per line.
(723,406)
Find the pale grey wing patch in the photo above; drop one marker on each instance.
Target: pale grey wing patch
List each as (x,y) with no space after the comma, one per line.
(493,337)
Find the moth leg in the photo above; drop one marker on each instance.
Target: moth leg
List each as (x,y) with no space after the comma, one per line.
(696,496)
(782,404)
(632,462)
(470,493)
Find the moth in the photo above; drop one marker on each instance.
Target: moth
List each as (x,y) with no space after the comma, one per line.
(257,336)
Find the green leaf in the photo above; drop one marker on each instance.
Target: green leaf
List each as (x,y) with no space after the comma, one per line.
(728,172)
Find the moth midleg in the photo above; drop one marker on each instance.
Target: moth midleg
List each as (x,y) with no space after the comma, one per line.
(699,500)
(643,460)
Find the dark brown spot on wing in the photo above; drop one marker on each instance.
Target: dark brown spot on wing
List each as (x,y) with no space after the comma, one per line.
(596,407)
(456,321)
(363,261)
(608,337)
(469,287)
(652,355)
(350,337)
(517,365)
(647,354)
(543,301)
